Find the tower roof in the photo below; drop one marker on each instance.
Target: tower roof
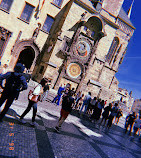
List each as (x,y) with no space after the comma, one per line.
(122,15)
(130,9)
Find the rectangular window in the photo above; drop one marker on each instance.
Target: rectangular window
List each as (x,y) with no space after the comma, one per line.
(6,4)
(27,12)
(48,23)
(57,2)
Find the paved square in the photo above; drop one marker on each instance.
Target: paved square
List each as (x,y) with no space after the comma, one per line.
(78,138)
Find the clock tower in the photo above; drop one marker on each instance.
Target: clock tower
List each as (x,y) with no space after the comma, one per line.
(79,51)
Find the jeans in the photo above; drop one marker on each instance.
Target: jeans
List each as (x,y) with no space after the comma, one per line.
(58,97)
(30,104)
(9,100)
(44,96)
(131,126)
(86,106)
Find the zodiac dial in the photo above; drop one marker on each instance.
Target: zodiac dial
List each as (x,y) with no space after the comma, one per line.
(83,48)
(74,70)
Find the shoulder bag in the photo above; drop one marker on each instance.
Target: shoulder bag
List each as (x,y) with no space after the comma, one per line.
(32,97)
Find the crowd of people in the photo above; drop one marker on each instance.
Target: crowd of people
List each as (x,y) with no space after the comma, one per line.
(94,108)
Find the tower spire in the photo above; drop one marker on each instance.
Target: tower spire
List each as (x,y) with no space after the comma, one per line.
(129,10)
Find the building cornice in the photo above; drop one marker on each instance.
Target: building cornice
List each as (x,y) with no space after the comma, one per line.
(126,23)
(110,22)
(79,2)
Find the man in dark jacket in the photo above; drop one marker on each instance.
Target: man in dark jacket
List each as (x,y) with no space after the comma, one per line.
(67,102)
(15,82)
(130,119)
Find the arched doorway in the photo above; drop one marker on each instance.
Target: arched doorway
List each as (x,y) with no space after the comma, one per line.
(26,57)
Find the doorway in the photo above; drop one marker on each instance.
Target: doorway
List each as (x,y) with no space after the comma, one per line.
(26,57)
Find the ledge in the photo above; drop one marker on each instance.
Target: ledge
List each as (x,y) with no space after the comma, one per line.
(23,20)
(94,83)
(102,60)
(59,7)
(51,64)
(44,31)
(4,10)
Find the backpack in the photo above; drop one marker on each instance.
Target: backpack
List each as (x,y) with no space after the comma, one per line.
(13,83)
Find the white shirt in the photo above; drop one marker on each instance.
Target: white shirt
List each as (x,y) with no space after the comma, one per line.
(37,90)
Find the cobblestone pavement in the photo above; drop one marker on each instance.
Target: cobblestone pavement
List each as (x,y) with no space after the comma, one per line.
(78,138)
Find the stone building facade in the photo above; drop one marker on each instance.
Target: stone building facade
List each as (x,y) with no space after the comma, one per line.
(82,42)
(125,100)
(137,106)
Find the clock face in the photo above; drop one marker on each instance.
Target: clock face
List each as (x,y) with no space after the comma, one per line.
(74,70)
(83,47)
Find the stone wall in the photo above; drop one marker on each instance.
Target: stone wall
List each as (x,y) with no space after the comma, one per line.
(99,70)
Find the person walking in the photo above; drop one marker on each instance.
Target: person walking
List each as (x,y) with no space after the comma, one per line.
(38,90)
(15,83)
(59,94)
(80,103)
(97,111)
(67,102)
(112,115)
(45,91)
(130,119)
(86,102)
(94,106)
(137,125)
(105,114)
(119,114)
(100,106)
(77,99)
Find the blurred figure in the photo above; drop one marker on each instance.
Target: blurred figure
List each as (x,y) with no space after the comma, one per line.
(137,126)
(77,98)
(97,109)
(67,102)
(38,90)
(100,106)
(59,94)
(86,102)
(27,75)
(130,121)
(45,91)
(15,83)
(112,115)
(105,114)
(119,114)
(80,102)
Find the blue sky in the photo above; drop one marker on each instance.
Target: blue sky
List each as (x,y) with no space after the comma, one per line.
(129,74)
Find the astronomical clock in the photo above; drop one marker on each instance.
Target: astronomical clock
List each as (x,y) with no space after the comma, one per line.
(78,51)
(78,58)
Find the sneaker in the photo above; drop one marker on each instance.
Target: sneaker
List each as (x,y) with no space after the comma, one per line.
(57,129)
(22,121)
(34,123)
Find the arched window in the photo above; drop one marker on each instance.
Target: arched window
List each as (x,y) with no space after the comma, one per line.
(112,50)
(117,52)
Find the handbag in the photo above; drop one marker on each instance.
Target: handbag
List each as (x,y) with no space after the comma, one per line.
(32,97)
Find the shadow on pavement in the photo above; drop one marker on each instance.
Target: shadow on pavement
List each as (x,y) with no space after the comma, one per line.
(43,143)
(46,125)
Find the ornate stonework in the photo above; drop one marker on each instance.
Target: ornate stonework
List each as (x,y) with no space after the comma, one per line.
(74,70)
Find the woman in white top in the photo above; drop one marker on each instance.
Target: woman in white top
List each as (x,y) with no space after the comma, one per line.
(38,90)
